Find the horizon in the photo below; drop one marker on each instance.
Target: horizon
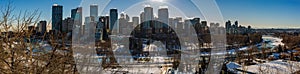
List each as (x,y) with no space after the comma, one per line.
(260,14)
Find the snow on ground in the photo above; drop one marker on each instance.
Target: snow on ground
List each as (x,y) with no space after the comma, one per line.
(243,48)
(273,67)
(274,40)
(232,66)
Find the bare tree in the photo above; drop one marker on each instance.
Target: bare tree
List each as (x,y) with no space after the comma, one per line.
(17,54)
(18,43)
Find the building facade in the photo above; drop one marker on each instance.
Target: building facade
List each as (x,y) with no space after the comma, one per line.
(57,14)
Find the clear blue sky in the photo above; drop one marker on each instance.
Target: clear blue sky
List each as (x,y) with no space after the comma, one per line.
(257,13)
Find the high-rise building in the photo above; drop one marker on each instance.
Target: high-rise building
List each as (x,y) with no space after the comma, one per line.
(57,14)
(104,20)
(90,27)
(228,24)
(113,18)
(171,21)
(135,21)
(76,15)
(142,17)
(228,27)
(87,21)
(124,23)
(94,11)
(125,16)
(73,13)
(195,21)
(79,15)
(148,15)
(204,23)
(42,27)
(31,29)
(187,24)
(236,24)
(67,25)
(176,21)
(163,16)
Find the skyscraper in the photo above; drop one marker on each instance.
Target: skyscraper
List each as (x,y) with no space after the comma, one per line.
(87,22)
(148,16)
(228,24)
(148,13)
(163,16)
(124,23)
(124,16)
(142,17)
(57,13)
(113,18)
(79,15)
(195,21)
(90,27)
(135,21)
(104,20)
(76,15)
(94,11)
(236,24)
(73,13)
(67,25)
(42,27)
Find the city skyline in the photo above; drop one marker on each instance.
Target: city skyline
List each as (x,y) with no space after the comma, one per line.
(149,36)
(275,14)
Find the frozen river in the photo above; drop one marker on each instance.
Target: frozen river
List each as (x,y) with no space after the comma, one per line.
(268,42)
